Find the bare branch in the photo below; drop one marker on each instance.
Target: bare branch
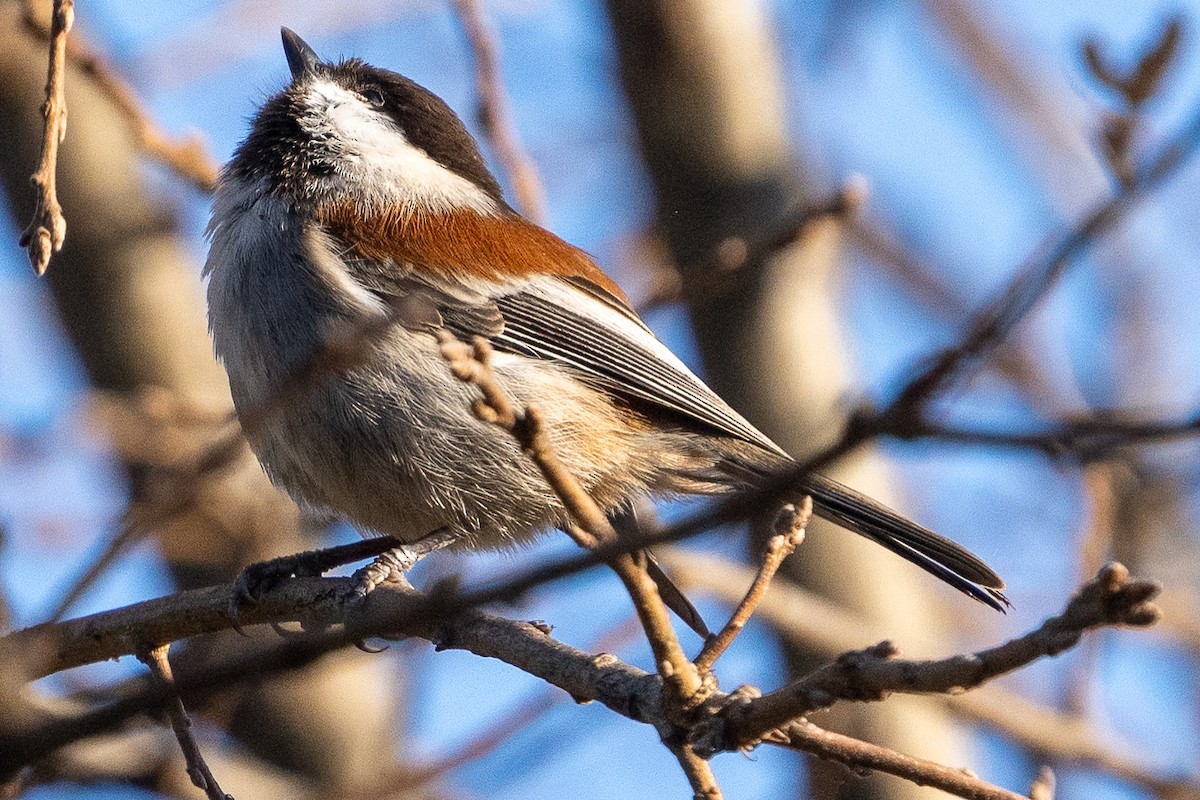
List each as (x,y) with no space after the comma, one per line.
(473,365)
(187,156)
(1111,598)
(450,622)
(684,687)
(789,533)
(806,737)
(48,228)
(829,630)
(156,658)
(995,322)
(441,617)
(494,114)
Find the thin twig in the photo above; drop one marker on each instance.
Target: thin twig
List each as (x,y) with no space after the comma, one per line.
(997,320)
(828,630)
(153,428)
(1111,598)
(494,113)
(736,253)
(926,284)
(806,737)
(472,364)
(187,156)
(525,713)
(789,533)
(126,537)
(1084,440)
(682,682)
(736,256)
(48,228)
(156,658)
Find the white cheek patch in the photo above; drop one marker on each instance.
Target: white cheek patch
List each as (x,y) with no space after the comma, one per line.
(374,157)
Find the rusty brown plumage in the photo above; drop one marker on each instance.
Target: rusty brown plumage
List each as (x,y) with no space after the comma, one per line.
(451,243)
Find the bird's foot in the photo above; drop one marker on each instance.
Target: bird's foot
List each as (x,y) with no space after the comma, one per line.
(391,565)
(257,579)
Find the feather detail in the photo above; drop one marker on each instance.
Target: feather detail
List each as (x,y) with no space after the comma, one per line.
(451,243)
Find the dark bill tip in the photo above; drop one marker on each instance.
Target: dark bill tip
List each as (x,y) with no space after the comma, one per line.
(302,59)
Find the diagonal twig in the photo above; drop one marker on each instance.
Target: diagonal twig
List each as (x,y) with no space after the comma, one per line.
(156,658)
(1111,598)
(187,156)
(734,258)
(524,714)
(683,686)
(996,320)
(48,228)
(494,114)
(472,364)
(789,533)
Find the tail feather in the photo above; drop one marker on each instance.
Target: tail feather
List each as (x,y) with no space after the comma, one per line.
(747,464)
(930,551)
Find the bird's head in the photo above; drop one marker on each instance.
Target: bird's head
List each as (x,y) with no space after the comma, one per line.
(350,132)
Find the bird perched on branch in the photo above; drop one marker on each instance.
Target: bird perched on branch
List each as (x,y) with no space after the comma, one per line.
(359,194)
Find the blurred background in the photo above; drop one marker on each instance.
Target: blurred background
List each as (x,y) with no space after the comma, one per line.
(966,138)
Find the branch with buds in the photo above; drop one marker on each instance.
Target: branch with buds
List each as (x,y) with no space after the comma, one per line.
(721,722)
(48,229)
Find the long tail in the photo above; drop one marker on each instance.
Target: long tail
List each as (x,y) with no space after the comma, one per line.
(933,553)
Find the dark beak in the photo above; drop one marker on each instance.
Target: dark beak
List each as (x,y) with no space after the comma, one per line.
(302,59)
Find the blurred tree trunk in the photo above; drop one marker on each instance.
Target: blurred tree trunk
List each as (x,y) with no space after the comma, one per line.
(703,80)
(127,287)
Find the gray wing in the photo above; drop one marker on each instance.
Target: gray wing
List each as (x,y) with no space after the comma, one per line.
(579,325)
(612,349)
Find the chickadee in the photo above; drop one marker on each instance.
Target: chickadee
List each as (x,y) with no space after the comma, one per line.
(358,191)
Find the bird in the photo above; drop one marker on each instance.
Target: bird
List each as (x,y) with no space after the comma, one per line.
(360,195)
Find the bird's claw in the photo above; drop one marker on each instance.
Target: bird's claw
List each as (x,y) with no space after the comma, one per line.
(257,579)
(391,561)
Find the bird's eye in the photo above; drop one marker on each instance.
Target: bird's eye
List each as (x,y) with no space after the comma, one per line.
(373,96)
